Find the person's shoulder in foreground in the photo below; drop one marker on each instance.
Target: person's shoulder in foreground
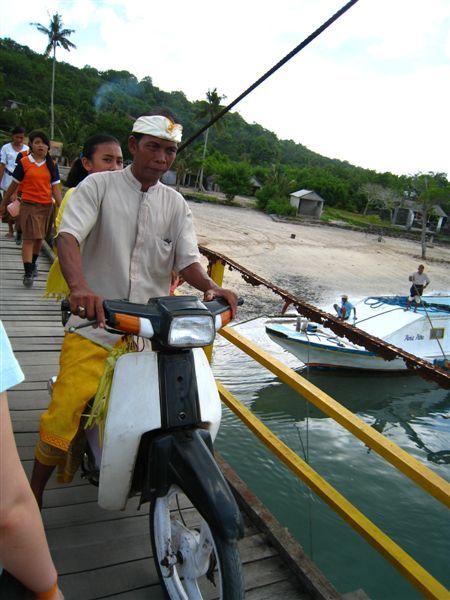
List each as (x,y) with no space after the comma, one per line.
(10,372)
(24,551)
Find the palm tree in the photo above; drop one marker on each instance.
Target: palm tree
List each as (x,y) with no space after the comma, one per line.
(208,108)
(57,36)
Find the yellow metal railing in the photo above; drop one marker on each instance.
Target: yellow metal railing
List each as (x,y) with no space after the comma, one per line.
(411,569)
(404,462)
(421,475)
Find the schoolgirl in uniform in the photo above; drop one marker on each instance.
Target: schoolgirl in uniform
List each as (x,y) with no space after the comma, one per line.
(38,177)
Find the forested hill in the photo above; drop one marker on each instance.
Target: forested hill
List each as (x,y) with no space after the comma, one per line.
(89,101)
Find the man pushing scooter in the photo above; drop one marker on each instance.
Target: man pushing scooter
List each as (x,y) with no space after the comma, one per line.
(122,235)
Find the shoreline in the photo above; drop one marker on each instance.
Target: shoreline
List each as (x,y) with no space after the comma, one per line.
(319,263)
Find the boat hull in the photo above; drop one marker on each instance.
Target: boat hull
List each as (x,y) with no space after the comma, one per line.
(315,354)
(423,333)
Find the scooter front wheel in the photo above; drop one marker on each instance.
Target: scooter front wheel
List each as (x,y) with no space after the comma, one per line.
(192,562)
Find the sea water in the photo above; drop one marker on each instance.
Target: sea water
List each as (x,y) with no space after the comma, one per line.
(411,412)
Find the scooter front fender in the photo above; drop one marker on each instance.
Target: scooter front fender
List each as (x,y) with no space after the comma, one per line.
(134,409)
(185,459)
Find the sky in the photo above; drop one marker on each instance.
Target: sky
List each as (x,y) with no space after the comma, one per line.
(373,89)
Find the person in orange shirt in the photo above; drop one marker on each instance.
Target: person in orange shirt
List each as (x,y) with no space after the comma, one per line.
(38,177)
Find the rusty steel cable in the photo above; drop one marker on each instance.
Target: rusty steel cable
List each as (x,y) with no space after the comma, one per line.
(387,351)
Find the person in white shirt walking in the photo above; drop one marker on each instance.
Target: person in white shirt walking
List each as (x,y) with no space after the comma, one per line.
(8,155)
(419,281)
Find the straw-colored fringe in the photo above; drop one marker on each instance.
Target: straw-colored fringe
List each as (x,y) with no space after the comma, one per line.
(99,408)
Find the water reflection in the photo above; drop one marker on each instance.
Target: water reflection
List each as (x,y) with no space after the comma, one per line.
(413,413)
(383,401)
(405,396)
(380,401)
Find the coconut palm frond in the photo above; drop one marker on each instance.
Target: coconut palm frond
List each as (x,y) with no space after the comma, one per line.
(66,44)
(41,28)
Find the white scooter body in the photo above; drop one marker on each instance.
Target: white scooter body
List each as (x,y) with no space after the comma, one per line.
(134,409)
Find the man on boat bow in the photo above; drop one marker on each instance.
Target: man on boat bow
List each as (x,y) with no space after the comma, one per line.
(419,281)
(345,309)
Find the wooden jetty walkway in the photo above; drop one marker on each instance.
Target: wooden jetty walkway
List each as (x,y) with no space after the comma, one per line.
(103,554)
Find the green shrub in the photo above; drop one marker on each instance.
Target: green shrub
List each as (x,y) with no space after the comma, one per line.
(281,207)
(355,219)
(234,179)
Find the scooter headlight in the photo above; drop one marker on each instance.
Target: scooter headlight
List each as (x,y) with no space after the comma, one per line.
(191,331)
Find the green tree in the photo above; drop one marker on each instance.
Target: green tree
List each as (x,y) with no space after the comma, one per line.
(57,36)
(380,197)
(214,163)
(73,131)
(264,149)
(429,189)
(30,117)
(114,123)
(276,189)
(208,109)
(234,178)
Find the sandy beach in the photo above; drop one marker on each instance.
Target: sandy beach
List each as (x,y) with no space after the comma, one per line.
(317,265)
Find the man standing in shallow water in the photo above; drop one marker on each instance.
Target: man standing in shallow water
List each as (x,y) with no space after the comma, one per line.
(122,235)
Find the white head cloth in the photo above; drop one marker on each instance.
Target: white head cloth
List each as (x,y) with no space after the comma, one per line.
(160,127)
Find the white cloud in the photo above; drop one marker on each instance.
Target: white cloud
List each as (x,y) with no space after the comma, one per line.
(373,89)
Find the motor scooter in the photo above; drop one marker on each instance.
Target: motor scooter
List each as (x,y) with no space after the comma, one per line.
(163,415)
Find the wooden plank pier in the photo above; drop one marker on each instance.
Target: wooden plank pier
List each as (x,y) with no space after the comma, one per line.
(103,554)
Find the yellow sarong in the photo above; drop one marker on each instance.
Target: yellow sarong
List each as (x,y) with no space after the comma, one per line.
(61,430)
(81,366)
(56,286)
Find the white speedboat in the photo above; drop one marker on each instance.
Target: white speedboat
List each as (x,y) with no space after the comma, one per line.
(424,333)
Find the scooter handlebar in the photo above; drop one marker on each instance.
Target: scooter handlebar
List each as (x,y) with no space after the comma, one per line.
(127,323)
(221,311)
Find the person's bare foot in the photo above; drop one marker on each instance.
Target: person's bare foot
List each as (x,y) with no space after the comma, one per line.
(9,235)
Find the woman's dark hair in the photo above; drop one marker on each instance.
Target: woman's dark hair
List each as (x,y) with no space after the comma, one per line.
(42,136)
(77,172)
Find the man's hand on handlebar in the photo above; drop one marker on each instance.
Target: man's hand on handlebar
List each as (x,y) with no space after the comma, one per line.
(87,305)
(229,296)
